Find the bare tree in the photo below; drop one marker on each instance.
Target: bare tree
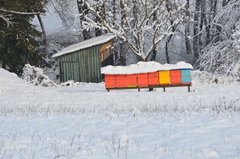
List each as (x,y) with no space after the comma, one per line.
(150,27)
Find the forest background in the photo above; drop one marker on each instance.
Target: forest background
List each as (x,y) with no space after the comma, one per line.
(205,33)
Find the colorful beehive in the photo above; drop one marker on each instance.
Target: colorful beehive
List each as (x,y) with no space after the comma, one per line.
(153,79)
(143,80)
(186,76)
(164,77)
(142,75)
(175,77)
(110,81)
(131,80)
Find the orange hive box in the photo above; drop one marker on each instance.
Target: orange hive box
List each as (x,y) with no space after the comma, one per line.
(175,77)
(142,80)
(109,81)
(164,77)
(131,80)
(121,81)
(153,79)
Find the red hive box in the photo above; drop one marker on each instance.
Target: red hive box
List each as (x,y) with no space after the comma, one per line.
(131,80)
(175,77)
(142,80)
(109,81)
(121,81)
(153,79)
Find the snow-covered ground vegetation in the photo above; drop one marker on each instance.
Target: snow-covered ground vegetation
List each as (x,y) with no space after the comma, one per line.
(35,75)
(86,121)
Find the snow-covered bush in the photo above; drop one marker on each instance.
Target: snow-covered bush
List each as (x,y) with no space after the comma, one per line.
(203,77)
(219,57)
(35,75)
(236,36)
(222,54)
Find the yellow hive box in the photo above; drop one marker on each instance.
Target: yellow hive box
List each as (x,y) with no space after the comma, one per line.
(164,77)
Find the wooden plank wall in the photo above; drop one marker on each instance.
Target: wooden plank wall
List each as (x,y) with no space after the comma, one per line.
(82,66)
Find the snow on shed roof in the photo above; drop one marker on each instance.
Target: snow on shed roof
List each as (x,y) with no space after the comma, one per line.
(144,67)
(85,44)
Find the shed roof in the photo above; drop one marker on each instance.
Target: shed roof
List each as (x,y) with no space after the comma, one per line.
(85,44)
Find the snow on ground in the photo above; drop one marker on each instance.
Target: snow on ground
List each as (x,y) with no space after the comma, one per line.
(86,121)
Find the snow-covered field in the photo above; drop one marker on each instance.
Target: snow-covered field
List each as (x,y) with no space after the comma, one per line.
(86,121)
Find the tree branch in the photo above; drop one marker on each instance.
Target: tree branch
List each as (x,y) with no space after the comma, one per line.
(17,12)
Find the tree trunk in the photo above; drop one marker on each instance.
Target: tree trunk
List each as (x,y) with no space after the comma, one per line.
(187,30)
(169,38)
(116,53)
(83,10)
(122,50)
(167,51)
(98,31)
(136,40)
(206,21)
(154,54)
(196,31)
(216,29)
(44,36)
(101,9)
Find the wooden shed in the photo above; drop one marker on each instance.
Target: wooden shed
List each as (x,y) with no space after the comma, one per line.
(82,62)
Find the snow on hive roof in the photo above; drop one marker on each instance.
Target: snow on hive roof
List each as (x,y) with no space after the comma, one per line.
(144,67)
(85,44)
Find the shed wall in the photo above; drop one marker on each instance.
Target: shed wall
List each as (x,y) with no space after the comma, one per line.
(83,65)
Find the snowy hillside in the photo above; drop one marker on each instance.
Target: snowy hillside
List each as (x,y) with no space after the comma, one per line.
(86,121)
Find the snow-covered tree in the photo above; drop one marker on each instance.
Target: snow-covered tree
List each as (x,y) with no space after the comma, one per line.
(221,54)
(18,44)
(142,24)
(236,37)
(65,11)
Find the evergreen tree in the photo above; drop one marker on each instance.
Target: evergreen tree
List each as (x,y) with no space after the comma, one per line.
(18,44)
